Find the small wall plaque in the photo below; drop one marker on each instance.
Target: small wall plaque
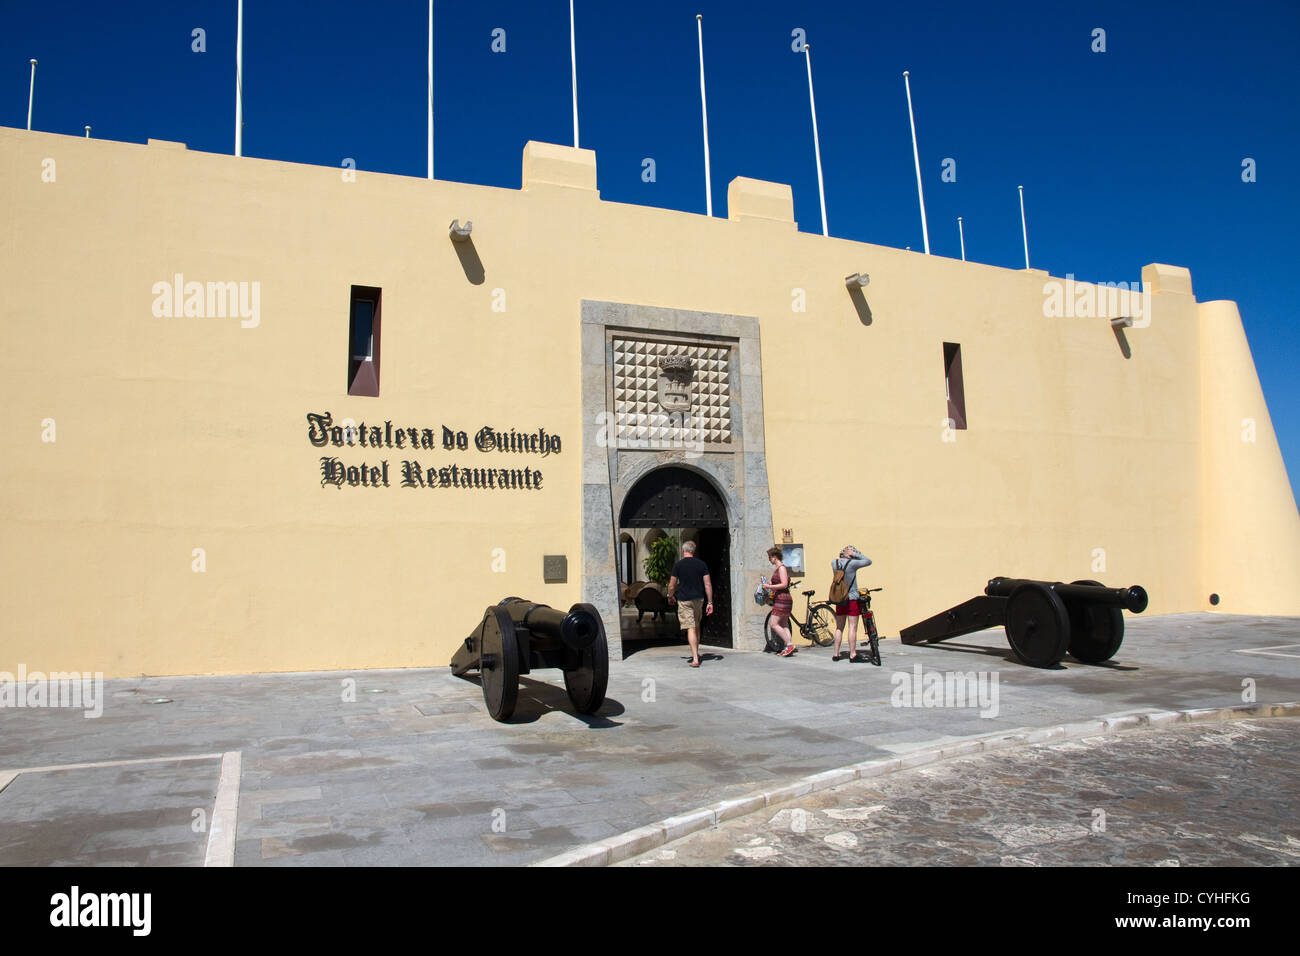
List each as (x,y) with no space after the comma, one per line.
(555,568)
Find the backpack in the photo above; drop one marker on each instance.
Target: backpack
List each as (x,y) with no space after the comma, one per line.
(839,592)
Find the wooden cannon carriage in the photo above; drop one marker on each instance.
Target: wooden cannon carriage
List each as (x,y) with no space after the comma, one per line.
(1042,619)
(516,636)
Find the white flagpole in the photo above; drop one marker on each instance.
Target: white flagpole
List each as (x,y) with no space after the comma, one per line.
(31,95)
(962,234)
(704,112)
(916,157)
(430,89)
(1023,228)
(573,61)
(239,82)
(817,149)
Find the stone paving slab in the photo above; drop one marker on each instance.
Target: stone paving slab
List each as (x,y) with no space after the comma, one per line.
(374,767)
(143,814)
(1223,794)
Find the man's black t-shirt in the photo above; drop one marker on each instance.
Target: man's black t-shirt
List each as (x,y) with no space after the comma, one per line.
(690,573)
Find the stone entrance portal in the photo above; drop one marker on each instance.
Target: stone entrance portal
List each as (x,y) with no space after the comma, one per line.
(673,434)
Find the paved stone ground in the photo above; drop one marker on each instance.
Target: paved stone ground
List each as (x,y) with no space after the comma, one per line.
(1220,794)
(413,771)
(137,815)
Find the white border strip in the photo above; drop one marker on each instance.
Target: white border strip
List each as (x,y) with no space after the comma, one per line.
(643,839)
(1270,651)
(225,813)
(107,763)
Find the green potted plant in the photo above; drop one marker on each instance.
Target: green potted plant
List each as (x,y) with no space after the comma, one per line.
(659,562)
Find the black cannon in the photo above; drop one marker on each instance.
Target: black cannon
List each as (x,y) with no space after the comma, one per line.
(1043,619)
(517,635)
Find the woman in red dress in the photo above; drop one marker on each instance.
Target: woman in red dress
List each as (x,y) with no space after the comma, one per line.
(783,604)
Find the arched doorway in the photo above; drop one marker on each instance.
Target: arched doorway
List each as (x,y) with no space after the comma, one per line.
(678,499)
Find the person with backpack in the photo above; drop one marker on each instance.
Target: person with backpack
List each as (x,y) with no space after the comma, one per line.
(844,595)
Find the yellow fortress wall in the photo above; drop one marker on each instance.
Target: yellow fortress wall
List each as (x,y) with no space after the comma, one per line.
(1252,530)
(163,507)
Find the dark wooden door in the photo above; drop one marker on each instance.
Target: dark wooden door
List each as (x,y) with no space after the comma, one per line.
(673,498)
(715,551)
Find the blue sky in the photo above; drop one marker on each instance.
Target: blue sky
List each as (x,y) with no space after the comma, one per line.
(1129,156)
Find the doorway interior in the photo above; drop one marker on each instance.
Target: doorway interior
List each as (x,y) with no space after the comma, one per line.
(680,503)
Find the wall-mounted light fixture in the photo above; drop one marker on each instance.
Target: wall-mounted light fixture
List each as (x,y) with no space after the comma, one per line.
(859,280)
(458,232)
(1118,326)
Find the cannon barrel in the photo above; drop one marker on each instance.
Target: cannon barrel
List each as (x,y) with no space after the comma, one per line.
(1133,599)
(577,628)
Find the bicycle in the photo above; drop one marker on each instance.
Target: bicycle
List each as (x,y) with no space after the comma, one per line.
(869,619)
(820,626)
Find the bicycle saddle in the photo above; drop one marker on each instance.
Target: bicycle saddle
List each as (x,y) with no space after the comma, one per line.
(807,593)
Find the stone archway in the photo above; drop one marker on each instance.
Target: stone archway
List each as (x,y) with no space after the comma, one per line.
(676,497)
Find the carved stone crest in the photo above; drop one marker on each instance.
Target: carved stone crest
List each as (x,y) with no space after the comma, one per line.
(667,393)
(676,373)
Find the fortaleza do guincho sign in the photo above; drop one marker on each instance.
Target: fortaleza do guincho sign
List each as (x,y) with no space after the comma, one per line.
(412,472)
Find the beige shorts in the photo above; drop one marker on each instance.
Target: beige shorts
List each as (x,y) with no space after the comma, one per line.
(690,613)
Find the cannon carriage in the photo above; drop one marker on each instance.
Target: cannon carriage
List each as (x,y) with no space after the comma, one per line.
(1043,620)
(515,636)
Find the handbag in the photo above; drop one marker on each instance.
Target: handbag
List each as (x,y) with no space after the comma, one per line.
(771,595)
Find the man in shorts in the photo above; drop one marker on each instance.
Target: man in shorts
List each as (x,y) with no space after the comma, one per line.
(691,589)
(851,560)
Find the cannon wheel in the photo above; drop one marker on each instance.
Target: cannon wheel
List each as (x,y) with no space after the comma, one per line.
(1095,632)
(499,670)
(587,684)
(1037,625)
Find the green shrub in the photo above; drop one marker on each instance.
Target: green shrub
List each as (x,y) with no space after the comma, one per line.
(659,562)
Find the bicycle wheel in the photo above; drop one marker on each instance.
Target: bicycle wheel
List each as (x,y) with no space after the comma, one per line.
(873,638)
(773,643)
(821,625)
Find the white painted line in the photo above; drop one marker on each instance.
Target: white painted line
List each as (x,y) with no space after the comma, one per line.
(6,778)
(108,763)
(1270,651)
(225,813)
